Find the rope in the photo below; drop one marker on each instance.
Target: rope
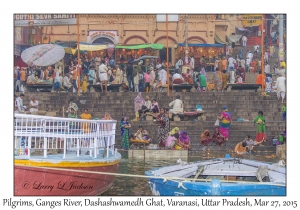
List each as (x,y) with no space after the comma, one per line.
(147,177)
(181,185)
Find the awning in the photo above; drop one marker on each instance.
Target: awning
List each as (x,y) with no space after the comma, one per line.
(70,50)
(141,46)
(201,45)
(219,40)
(233,38)
(241,30)
(92,47)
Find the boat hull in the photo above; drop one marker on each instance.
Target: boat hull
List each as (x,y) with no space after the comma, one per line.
(30,181)
(214,188)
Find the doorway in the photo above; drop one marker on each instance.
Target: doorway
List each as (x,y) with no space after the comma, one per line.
(163,54)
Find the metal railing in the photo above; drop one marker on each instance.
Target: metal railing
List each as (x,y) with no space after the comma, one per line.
(34,132)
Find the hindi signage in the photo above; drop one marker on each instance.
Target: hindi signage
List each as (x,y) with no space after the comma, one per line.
(44,19)
(251,20)
(112,35)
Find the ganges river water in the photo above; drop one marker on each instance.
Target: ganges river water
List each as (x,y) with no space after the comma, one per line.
(135,186)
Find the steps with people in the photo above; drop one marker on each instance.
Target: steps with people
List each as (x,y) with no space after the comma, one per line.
(243,105)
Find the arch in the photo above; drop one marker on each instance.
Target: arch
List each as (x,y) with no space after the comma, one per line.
(103,40)
(135,37)
(197,37)
(165,37)
(99,36)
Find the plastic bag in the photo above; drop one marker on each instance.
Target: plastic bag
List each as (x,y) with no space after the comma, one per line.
(217,123)
(199,107)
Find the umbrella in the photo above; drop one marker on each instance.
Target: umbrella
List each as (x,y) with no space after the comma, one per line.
(145,57)
(43,55)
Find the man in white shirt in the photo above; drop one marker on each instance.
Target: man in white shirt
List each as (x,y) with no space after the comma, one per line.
(163,76)
(267,68)
(244,39)
(103,75)
(256,48)
(248,62)
(177,78)
(177,106)
(66,83)
(243,63)
(19,104)
(33,105)
(231,62)
(250,55)
(192,63)
(158,65)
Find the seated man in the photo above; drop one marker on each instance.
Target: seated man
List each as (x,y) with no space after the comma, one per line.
(67,84)
(177,106)
(33,105)
(177,78)
(19,104)
(145,108)
(250,144)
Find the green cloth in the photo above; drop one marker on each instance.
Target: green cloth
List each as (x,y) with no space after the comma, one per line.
(260,127)
(141,46)
(202,80)
(283,108)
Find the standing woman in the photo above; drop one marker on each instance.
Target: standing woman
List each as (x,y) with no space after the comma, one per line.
(217,80)
(280,86)
(163,127)
(125,125)
(225,121)
(260,128)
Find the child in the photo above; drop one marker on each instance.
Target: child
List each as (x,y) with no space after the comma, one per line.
(284,112)
(250,144)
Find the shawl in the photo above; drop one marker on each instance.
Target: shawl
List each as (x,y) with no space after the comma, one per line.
(205,135)
(138,102)
(184,139)
(174,130)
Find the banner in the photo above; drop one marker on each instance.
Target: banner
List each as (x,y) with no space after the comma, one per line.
(44,19)
(111,35)
(251,20)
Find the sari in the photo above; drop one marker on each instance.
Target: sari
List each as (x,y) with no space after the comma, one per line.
(239,149)
(242,73)
(224,81)
(218,138)
(203,72)
(205,138)
(162,128)
(217,79)
(124,134)
(260,129)
(225,124)
(138,102)
(84,84)
(184,139)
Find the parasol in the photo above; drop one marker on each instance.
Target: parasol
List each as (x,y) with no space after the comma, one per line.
(43,55)
(145,57)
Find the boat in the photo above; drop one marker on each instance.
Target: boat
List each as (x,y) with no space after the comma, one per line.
(219,177)
(63,156)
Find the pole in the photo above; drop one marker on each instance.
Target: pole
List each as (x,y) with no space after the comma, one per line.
(168,73)
(262,54)
(186,38)
(281,44)
(78,49)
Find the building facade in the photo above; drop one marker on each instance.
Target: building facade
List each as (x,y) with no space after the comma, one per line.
(140,29)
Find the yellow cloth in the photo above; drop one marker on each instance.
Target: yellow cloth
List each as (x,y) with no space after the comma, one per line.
(86,116)
(84,84)
(174,130)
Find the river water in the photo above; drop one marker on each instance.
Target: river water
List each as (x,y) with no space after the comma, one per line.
(132,186)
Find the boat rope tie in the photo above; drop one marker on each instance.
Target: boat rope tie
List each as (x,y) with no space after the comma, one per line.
(181,185)
(144,176)
(165,179)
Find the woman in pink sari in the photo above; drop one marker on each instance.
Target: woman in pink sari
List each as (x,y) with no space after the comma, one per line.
(225,121)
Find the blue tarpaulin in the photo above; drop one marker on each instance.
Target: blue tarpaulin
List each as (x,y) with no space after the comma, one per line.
(201,45)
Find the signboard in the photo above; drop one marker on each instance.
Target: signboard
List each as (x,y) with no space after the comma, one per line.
(112,35)
(17,50)
(44,19)
(171,18)
(251,20)
(18,35)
